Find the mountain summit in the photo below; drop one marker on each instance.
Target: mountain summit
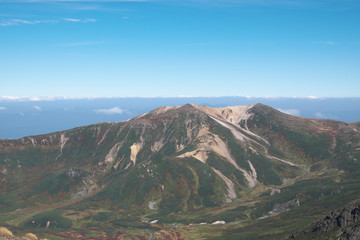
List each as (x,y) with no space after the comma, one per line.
(173,162)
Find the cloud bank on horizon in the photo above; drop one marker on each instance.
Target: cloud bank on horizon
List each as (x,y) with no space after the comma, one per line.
(57,98)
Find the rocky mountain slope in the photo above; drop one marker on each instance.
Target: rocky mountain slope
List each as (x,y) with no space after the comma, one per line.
(190,165)
(342,224)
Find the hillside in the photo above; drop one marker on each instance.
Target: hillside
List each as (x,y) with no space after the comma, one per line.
(184,172)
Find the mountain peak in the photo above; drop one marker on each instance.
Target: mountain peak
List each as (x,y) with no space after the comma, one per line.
(232,114)
(162,110)
(178,160)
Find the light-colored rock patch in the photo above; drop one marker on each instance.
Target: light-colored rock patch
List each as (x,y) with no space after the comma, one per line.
(209,142)
(63,141)
(231,186)
(284,161)
(157,145)
(274,191)
(189,133)
(111,156)
(154,205)
(219,222)
(179,147)
(4,171)
(253,173)
(103,137)
(203,131)
(200,155)
(231,117)
(230,114)
(280,208)
(135,149)
(32,141)
(238,135)
(221,149)
(161,110)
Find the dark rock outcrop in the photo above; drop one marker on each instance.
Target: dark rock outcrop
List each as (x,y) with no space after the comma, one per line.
(342,224)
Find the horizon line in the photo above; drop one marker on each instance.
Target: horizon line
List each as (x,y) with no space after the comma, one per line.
(57,98)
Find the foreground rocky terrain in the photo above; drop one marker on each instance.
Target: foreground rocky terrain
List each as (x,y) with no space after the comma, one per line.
(341,224)
(186,172)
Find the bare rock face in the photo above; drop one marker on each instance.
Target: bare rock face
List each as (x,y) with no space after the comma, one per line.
(351,233)
(338,219)
(282,207)
(73,172)
(342,224)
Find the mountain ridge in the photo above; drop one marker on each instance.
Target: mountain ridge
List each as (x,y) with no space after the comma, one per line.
(175,161)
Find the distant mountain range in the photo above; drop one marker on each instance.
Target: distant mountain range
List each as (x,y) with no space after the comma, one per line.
(185,172)
(32,116)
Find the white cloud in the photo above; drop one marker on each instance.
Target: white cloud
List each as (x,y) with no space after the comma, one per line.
(79,44)
(87,20)
(27,99)
(322,115)
(330,43)
(42,99)
(55,98)
(294,112)
(13,22)
(284,97)
(10,98)
(184,96)
(313,97)
(75,1)
(110,111)
(38,99)
(2,108)
(72,20)
(37,108)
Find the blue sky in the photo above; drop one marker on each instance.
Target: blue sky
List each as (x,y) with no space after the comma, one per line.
(180,48)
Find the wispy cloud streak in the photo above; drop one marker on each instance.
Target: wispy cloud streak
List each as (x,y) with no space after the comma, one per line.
(330,43)
(15,22)
(294,112)
(55,98)
(324,116)
(76,44)
(76,20)
(35,1)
